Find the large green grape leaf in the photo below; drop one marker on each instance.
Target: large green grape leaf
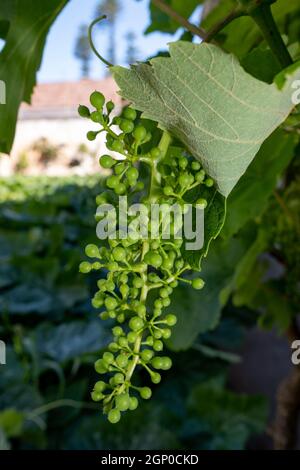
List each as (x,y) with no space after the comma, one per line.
(24,25)
(204,97)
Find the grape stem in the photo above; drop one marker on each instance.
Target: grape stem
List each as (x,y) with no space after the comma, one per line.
(163,146)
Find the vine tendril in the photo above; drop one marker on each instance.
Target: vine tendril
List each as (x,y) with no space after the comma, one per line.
(90,36)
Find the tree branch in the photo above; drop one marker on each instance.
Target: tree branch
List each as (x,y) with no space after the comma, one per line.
(161,5)
(221,25)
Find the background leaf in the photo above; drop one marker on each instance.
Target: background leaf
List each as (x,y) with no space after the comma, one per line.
(21,56)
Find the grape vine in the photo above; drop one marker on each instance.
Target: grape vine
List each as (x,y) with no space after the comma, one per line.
(141,272)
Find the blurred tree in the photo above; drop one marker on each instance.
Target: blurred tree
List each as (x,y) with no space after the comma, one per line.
(110,8)
(132,51)
(83,50)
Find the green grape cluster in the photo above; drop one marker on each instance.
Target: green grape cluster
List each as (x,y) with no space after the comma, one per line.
(137,266)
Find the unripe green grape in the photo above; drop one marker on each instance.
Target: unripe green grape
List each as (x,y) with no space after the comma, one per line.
(123,342)
(179,264)
(119,168)
(184,180)
(171,320)
(166,333)
(110,286)
(147,355)
(96,265)
(126,126)
(154,259)
(174,284)
(110,303)
(158,345)
(101,199)
(91,135)
(132,174)
(199,177)
(158,304)
(122,360)
(112,182)
(168,190)
(139,133)
(166,301)
(103,315)
(134,292)
(110,106)
(163,292)
(123,278)
(155,377)
(198,283)
(113,266)
(133,403)
(100,366)
(124,289)
(108,357)
(121,318)
(148,137)
(196,166)
(183,163)
(141,310)
(169,289)
(97,396)
(153,277)
(85,267)
(166,363)
(131,337)
(209,182)
(106,161)
(120,189)
(136,323)
(117,146)
(119,253)
(122,402)
(117,331)
(96,116)
(137,282)
(92,251)
(118,378)
(157,362)
(129,113)
(113,347)
(99,386)
(83,111)
(155,153)
(157,312)
(114,416)
(202,203)
(145,393)
(157,334)
(97,100)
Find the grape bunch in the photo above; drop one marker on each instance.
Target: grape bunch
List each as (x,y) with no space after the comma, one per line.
(142,272)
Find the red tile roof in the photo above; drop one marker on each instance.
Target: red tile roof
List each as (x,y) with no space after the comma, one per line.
(68,95)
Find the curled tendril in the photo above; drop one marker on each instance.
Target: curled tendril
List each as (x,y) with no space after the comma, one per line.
(90,33)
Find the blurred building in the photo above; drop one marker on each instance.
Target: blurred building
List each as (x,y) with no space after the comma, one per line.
(51,136)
